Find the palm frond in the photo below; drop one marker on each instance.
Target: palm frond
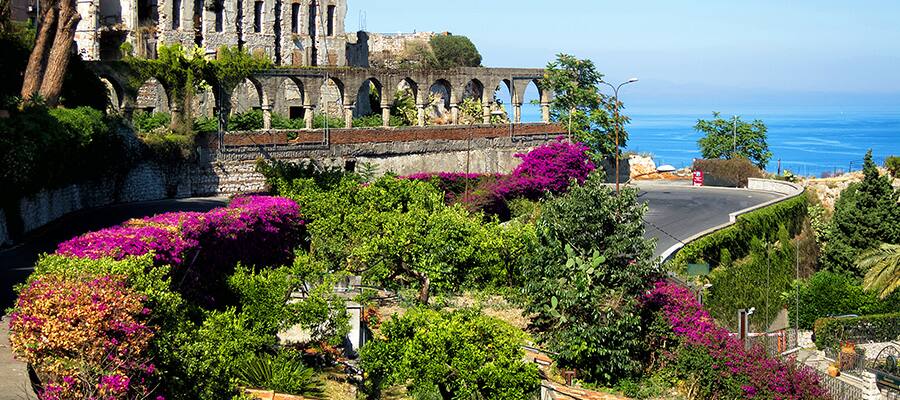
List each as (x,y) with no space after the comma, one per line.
(883,266)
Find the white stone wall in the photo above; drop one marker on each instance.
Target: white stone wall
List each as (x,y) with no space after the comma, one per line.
(388,50)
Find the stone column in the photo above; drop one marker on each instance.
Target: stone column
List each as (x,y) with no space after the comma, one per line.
(385,116)
(308,115)
(545,112)
(267,116)
(420,117)
(487,114)
(517,112)
(454,113)
(348,116)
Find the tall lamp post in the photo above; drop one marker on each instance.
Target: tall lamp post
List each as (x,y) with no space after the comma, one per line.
(616,120)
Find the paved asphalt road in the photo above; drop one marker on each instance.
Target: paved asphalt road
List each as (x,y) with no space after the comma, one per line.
(678,212)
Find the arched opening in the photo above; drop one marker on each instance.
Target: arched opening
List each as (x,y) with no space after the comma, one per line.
(501,102)
(404,103)
(331,101)
(531,102)
(438,103)
(291,104)
(247,96)
(368,98)
(152,97)
(114,95)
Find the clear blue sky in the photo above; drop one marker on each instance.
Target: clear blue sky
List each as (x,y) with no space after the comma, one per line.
(802,50)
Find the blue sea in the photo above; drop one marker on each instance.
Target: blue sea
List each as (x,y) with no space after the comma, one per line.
(808,141)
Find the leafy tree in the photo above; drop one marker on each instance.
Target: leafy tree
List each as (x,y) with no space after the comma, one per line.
(459,355)
(883,266)
(892,164)
(865,215)
(829,294)
(590,266)
(734,138)
(451,51)
(579,104)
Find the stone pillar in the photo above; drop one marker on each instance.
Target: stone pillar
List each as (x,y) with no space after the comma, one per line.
(348,116)
(517,112)
(454,113)
(545,112)
(385,116)
(267,116)
(487,114)
(420,117)
(308,114)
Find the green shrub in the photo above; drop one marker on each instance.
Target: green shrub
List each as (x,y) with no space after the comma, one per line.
(892,163)
(283,373)
(829,294)
(729,173)
(762,223)
(831,332)
(333,122)
(145,122)
(246,121)
(375,121)
(590,266)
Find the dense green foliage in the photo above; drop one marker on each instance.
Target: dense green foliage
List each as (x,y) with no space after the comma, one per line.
(756,281)
(729,173)
(865,216)
(831,332)
(42,149)
(455,355)
(762,223)
(400,234)
(734,138)
(829,294)
(591,265)
(883,266)
(892,164)
(578,103)
(283,372)
(452,51)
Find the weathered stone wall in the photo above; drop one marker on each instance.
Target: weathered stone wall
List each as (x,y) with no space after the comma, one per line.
(389,50)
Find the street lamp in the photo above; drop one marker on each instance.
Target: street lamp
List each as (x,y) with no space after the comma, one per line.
(616,120)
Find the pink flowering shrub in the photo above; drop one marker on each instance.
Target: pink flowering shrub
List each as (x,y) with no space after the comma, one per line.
(733,370)
(203,247)
(85,337)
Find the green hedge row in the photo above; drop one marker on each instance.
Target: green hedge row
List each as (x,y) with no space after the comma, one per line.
(830,332)
(762,223)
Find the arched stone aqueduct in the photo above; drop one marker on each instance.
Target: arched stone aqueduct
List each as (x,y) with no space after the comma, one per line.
(307,83)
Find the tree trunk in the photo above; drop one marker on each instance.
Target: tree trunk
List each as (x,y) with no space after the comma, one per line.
(424,291)
(60,53)
(34,72)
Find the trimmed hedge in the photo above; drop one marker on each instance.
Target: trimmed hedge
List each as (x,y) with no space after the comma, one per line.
(762,223)
(727,173)
(830,332)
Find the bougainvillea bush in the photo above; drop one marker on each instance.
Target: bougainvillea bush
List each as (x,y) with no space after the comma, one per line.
(550,168)
(203,248)
(85,336)
(714,365)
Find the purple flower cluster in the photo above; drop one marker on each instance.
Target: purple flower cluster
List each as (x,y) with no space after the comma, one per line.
(255,230)
(765,377)
(548,168)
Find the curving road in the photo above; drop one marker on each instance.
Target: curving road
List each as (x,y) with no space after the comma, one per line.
(678,211)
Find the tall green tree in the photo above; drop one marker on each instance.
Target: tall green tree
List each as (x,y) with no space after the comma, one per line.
(452,51)
(865,216)
(579,104)
(591,265)
(457,355)
(734,138)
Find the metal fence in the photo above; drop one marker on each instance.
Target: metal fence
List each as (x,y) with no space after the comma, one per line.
(840,390)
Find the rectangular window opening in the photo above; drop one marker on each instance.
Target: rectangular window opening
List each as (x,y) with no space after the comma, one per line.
(220,16)
(330,30)
(257,16)
(176,14)
(295,18)
(312,21)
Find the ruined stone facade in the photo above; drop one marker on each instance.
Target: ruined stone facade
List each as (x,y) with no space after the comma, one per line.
(289,32)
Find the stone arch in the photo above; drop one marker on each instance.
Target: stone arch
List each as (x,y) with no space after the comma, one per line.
(439,99)
(291,98)
(115,93)
(246,96)
(366,104)
(530,92)
(474,88)
(331,97)
(409,85)
(152,97)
